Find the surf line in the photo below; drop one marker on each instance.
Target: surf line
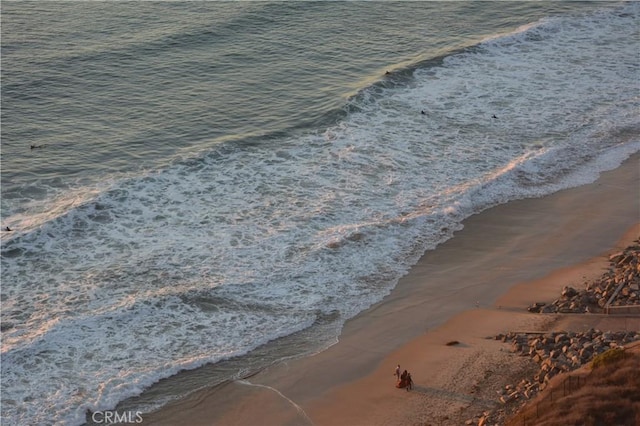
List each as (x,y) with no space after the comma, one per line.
(300,410)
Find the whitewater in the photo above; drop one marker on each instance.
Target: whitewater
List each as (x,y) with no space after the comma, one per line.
(209,253)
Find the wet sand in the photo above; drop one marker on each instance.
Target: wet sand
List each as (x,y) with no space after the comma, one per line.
(475,285)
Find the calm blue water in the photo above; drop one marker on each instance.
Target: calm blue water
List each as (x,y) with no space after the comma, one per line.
(187,182)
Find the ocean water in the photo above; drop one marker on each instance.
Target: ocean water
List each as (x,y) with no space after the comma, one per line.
(224,184)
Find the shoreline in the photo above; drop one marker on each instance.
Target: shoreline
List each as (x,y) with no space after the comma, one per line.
(480,280)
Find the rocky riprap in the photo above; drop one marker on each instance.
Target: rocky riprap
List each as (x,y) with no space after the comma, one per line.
(559,352)
(564,351)
(554,352)
(622,276)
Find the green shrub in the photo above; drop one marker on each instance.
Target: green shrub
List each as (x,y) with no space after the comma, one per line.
(609,357)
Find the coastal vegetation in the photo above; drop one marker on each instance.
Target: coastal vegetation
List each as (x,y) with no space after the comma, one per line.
(608,395)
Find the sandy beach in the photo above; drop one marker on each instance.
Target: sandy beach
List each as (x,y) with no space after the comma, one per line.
(475,285)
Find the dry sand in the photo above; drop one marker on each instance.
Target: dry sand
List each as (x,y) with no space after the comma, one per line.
(475,285)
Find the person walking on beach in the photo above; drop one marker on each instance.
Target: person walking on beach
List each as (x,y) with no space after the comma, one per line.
(397,373)
(409,382)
